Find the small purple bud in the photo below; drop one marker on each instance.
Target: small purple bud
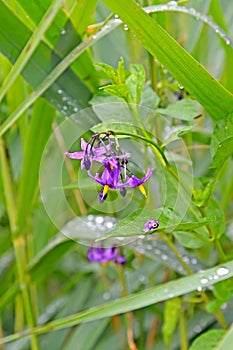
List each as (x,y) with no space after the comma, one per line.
(123,191)
(151,225)
(120,260)
(86,163)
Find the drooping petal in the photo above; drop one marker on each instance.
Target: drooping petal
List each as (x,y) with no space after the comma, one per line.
(75,155)
(135,182)
(102,255)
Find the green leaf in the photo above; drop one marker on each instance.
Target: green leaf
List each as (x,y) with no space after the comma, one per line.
(222,142)
(43,60)
(119,90)
(184,110)
(176,133)
(82,14)
(39,131)
(30,47)
(134,301)
(49,257)
(171,317)
(227,340)
(209,340)
(189,239)
(169,221)
(135,83)
(117,127)
(189,72)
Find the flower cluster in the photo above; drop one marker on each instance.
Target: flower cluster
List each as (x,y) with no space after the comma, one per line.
(116,174)
(104,255)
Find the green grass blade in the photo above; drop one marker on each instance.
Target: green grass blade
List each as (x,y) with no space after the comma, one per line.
(135,301)
(39,130)
(51,78)
(189,72)
(30,47)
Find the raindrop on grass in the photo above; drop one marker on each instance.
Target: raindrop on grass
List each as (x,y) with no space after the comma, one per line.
(106,296)
(197,329)
(63,31)
(99,219)
(222,271)
(203,280)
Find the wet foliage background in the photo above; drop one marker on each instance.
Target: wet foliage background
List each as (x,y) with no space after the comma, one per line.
(158,74)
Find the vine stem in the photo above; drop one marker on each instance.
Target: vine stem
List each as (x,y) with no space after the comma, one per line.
(19,243)
(129,315)
(175,251)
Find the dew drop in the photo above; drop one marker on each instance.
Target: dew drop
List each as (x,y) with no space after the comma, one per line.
(75,109)
(126,27)
(186,259)
(109,224)
(90,217)
(194,261)
(63,31)
(99,219)
(203,280)
(222,271)
(172,3)
(224,306)
(199,288)
(164,257)
(106,296)
(59,91)
(141,278)
(197,329)
(216,277)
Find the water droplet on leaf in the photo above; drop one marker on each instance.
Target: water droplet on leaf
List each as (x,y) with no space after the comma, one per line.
(222,271)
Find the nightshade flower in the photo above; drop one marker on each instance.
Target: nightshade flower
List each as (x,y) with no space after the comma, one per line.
(109,179)
(104,255)
(115,175)
(150,225)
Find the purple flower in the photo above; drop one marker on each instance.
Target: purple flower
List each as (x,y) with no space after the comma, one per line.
(89,154)
(150,225)
(116,175)
(109,179)
(104,255)
(133,182)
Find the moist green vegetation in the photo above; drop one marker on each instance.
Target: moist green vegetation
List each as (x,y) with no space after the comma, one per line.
(116,205)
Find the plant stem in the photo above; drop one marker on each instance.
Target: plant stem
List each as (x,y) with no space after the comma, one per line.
(129,315)
(19,243)
(183,331)
(175,251)
(72,175)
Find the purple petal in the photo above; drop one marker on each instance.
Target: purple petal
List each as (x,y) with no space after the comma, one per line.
(75,155)
(120,260)
(135,182)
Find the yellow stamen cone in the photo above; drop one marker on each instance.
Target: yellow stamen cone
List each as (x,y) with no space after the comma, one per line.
(105,190)
(142,190)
